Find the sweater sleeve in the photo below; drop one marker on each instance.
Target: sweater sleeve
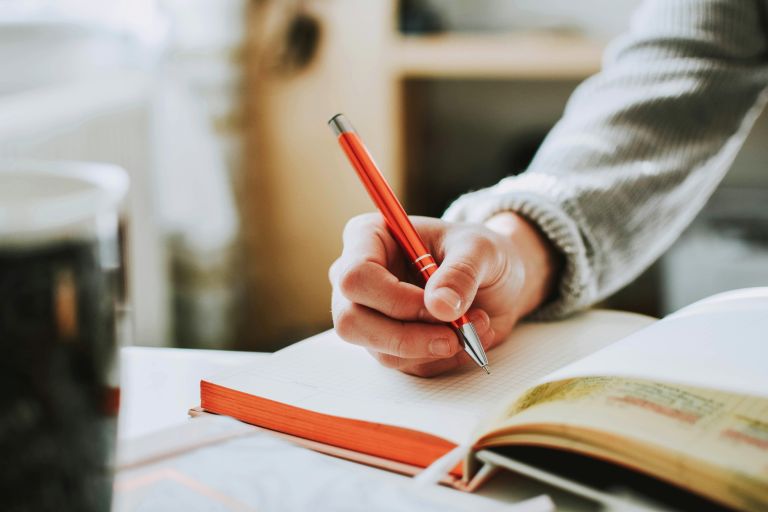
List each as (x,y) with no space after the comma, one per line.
(641,146)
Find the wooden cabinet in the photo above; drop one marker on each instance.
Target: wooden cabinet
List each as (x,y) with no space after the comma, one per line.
(301,191)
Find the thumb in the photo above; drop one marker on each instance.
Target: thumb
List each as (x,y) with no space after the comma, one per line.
(452,288)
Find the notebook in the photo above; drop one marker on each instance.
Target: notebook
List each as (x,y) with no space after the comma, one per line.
(683,399)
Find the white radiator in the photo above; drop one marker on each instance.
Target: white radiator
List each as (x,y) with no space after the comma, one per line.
(105,120)
(105,81)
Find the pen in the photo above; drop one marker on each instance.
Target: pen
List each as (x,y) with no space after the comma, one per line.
(400,225)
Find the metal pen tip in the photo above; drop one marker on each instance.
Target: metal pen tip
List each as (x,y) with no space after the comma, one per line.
(472,345)
(486,369)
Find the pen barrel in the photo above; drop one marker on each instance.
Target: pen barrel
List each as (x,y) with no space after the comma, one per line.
(393,212)
(382,195)
(425,265)
(399,224)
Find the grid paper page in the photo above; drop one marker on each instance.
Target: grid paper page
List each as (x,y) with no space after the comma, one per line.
(327,375)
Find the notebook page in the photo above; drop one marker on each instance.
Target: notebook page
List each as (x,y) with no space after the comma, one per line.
(734,300)
(327,375)
(718,343)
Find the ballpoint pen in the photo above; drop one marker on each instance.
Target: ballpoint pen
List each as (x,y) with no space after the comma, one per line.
(400,225)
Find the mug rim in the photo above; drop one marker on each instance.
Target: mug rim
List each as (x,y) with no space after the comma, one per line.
(104,188)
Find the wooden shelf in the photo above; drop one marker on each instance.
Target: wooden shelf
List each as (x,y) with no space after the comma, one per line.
(300,190)
(508,56)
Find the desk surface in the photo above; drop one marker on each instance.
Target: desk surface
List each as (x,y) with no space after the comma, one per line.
(159,385)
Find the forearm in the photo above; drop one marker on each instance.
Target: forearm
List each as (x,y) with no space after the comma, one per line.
(641,145)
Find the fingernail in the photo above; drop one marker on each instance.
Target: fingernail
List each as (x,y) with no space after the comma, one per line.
(449,297)
(440,347)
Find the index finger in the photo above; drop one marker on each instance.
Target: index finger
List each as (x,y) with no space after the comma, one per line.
(366,271)
(360,244)
(374,286)
(366,237)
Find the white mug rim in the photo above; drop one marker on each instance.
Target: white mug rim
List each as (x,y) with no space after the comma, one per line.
(105,187)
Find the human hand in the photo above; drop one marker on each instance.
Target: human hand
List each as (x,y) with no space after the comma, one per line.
(496,273)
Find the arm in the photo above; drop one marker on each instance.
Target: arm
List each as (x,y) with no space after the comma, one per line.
(641,146)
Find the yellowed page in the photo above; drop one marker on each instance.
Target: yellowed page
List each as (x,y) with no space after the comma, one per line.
(327,375)
(685,431)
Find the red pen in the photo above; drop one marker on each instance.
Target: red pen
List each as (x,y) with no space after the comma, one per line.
(400,225)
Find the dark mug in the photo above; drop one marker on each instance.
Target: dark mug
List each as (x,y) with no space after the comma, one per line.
(59,273)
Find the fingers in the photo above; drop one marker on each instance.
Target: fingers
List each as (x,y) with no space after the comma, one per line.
(371,285)
(433,367)
(402,324)
(366,238)
(410,340)
(420,368)
(364,272)
(404,340)
(469,262)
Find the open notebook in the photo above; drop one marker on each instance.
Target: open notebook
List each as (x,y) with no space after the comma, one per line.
(684,399)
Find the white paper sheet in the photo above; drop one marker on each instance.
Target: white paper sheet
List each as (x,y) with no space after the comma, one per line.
(720,343)
(327,375)
(252,471)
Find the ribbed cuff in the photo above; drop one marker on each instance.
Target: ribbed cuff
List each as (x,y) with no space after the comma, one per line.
(538,198)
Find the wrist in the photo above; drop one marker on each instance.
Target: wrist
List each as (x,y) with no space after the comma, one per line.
(541,261)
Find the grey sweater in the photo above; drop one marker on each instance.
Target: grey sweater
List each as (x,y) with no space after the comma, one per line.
(641,145)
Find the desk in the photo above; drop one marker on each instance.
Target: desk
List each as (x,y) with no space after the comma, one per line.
(159,385)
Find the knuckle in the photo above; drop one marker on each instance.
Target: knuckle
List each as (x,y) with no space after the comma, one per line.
(396,307)
(351,279)
(464,270)
(346,321)
(483,245)
(420,370)
(423,315)
(398,346)
(333,270)
(387,360)
(360,222)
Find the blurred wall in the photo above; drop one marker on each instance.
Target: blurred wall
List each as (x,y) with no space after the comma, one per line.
(139,84)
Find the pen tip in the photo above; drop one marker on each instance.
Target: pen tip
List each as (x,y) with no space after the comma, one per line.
(486,370)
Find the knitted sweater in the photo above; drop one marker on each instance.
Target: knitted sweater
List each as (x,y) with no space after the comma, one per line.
(641,146)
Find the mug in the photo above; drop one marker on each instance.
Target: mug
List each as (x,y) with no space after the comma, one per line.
(59,289)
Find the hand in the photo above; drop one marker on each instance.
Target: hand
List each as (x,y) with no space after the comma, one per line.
(496,273)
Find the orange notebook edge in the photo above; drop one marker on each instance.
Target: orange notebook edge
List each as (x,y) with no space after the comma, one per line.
(342,453)
(387,447)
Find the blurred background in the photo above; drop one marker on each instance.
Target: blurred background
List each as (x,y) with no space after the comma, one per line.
(218,109)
